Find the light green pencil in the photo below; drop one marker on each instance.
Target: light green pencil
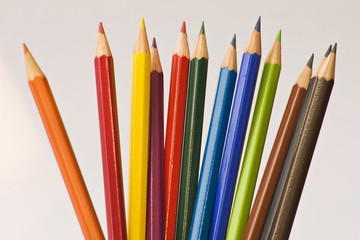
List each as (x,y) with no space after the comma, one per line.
(256,140)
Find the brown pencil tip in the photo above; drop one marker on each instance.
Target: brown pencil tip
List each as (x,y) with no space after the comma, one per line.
(183,27)
(153,45)
(310,62)
(101,28)
(26,50)
(334,48)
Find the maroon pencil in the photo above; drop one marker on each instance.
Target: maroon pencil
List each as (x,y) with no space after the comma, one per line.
(155,200)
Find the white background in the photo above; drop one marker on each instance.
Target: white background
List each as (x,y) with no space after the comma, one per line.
(61,35)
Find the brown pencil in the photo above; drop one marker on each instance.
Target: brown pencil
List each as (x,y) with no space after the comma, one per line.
(304,149)
(277,156)
(63,151)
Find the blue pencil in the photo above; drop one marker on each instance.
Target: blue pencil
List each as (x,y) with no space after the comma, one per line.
(235,135)
(205,195)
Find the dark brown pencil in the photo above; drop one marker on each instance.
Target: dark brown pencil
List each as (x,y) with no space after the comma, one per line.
(278,153)
(303,152)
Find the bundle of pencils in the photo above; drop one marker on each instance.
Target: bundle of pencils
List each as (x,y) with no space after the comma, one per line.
(166,201)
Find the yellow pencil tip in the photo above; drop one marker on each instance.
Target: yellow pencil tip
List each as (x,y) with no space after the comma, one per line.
(142,24)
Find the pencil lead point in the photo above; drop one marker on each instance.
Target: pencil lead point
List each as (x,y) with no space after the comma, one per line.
(183,27)
(334,48)
(202,30)
(278,36)
(153,45)
(142,24)
(310,62)
(101,28)
(233,41)
(26,50)
(328,51)
(257,26)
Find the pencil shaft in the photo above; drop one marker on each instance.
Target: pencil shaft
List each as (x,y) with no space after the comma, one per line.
(233,144)
(253,151)
(210,167)
(66,160)
(155,218)
(139,144)
(286,165)
(192,146)
(273,168)
(110,147)
(174,139)
(301,160)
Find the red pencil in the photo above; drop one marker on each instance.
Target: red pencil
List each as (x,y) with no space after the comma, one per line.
(175,128)
(110,141)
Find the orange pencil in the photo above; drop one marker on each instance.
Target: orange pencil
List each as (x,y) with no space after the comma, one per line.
(63,151)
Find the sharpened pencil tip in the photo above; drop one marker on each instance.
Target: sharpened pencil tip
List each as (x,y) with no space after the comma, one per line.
(310,62)
(334,48)
(202,30)
(233,41)
(278,36)
(258,24)
(101,28)
(183,27)
(26,50)
(142,24)
(328,51)
(153,45)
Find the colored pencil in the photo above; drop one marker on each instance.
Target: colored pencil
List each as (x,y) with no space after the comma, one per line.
(175,129)
(214,146)
(256,141)
(63,151)
(139,135)
(235,135)
(302,153)
(155,200)
(192,136)
(277,156)
(286,165)
(110,140)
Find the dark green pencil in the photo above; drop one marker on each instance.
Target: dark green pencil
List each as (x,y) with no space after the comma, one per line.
(192,136)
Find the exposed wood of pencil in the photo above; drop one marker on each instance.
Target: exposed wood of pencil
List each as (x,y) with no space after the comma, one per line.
(175,129)
(277,156)
(200,50)
(305,146)
(230,60)
(286,165)
(63,151)
(155,196)
(254,44)
(139,136)
(110,140)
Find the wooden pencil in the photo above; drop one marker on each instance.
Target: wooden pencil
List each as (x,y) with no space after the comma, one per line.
(277,156)
(256,141)
(155,200)
(175,129)
(214,146)
(63,151)
(286,165)
(302,153)
(139,135)
(235,135)
(192,136)
(110,140)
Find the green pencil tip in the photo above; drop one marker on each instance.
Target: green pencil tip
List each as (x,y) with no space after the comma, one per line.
(278,37)
(202,30)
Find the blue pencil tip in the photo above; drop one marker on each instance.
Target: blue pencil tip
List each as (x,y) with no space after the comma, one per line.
(257,26)
(233,41)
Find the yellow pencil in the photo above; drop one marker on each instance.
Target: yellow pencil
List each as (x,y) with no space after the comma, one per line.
(139,135)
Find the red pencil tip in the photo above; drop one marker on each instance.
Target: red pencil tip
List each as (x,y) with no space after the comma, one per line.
(101,28)
(26,50)
(183,27)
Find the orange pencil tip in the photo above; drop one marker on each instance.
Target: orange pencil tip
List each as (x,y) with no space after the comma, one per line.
(26,50)
(101,28)
(183,27)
